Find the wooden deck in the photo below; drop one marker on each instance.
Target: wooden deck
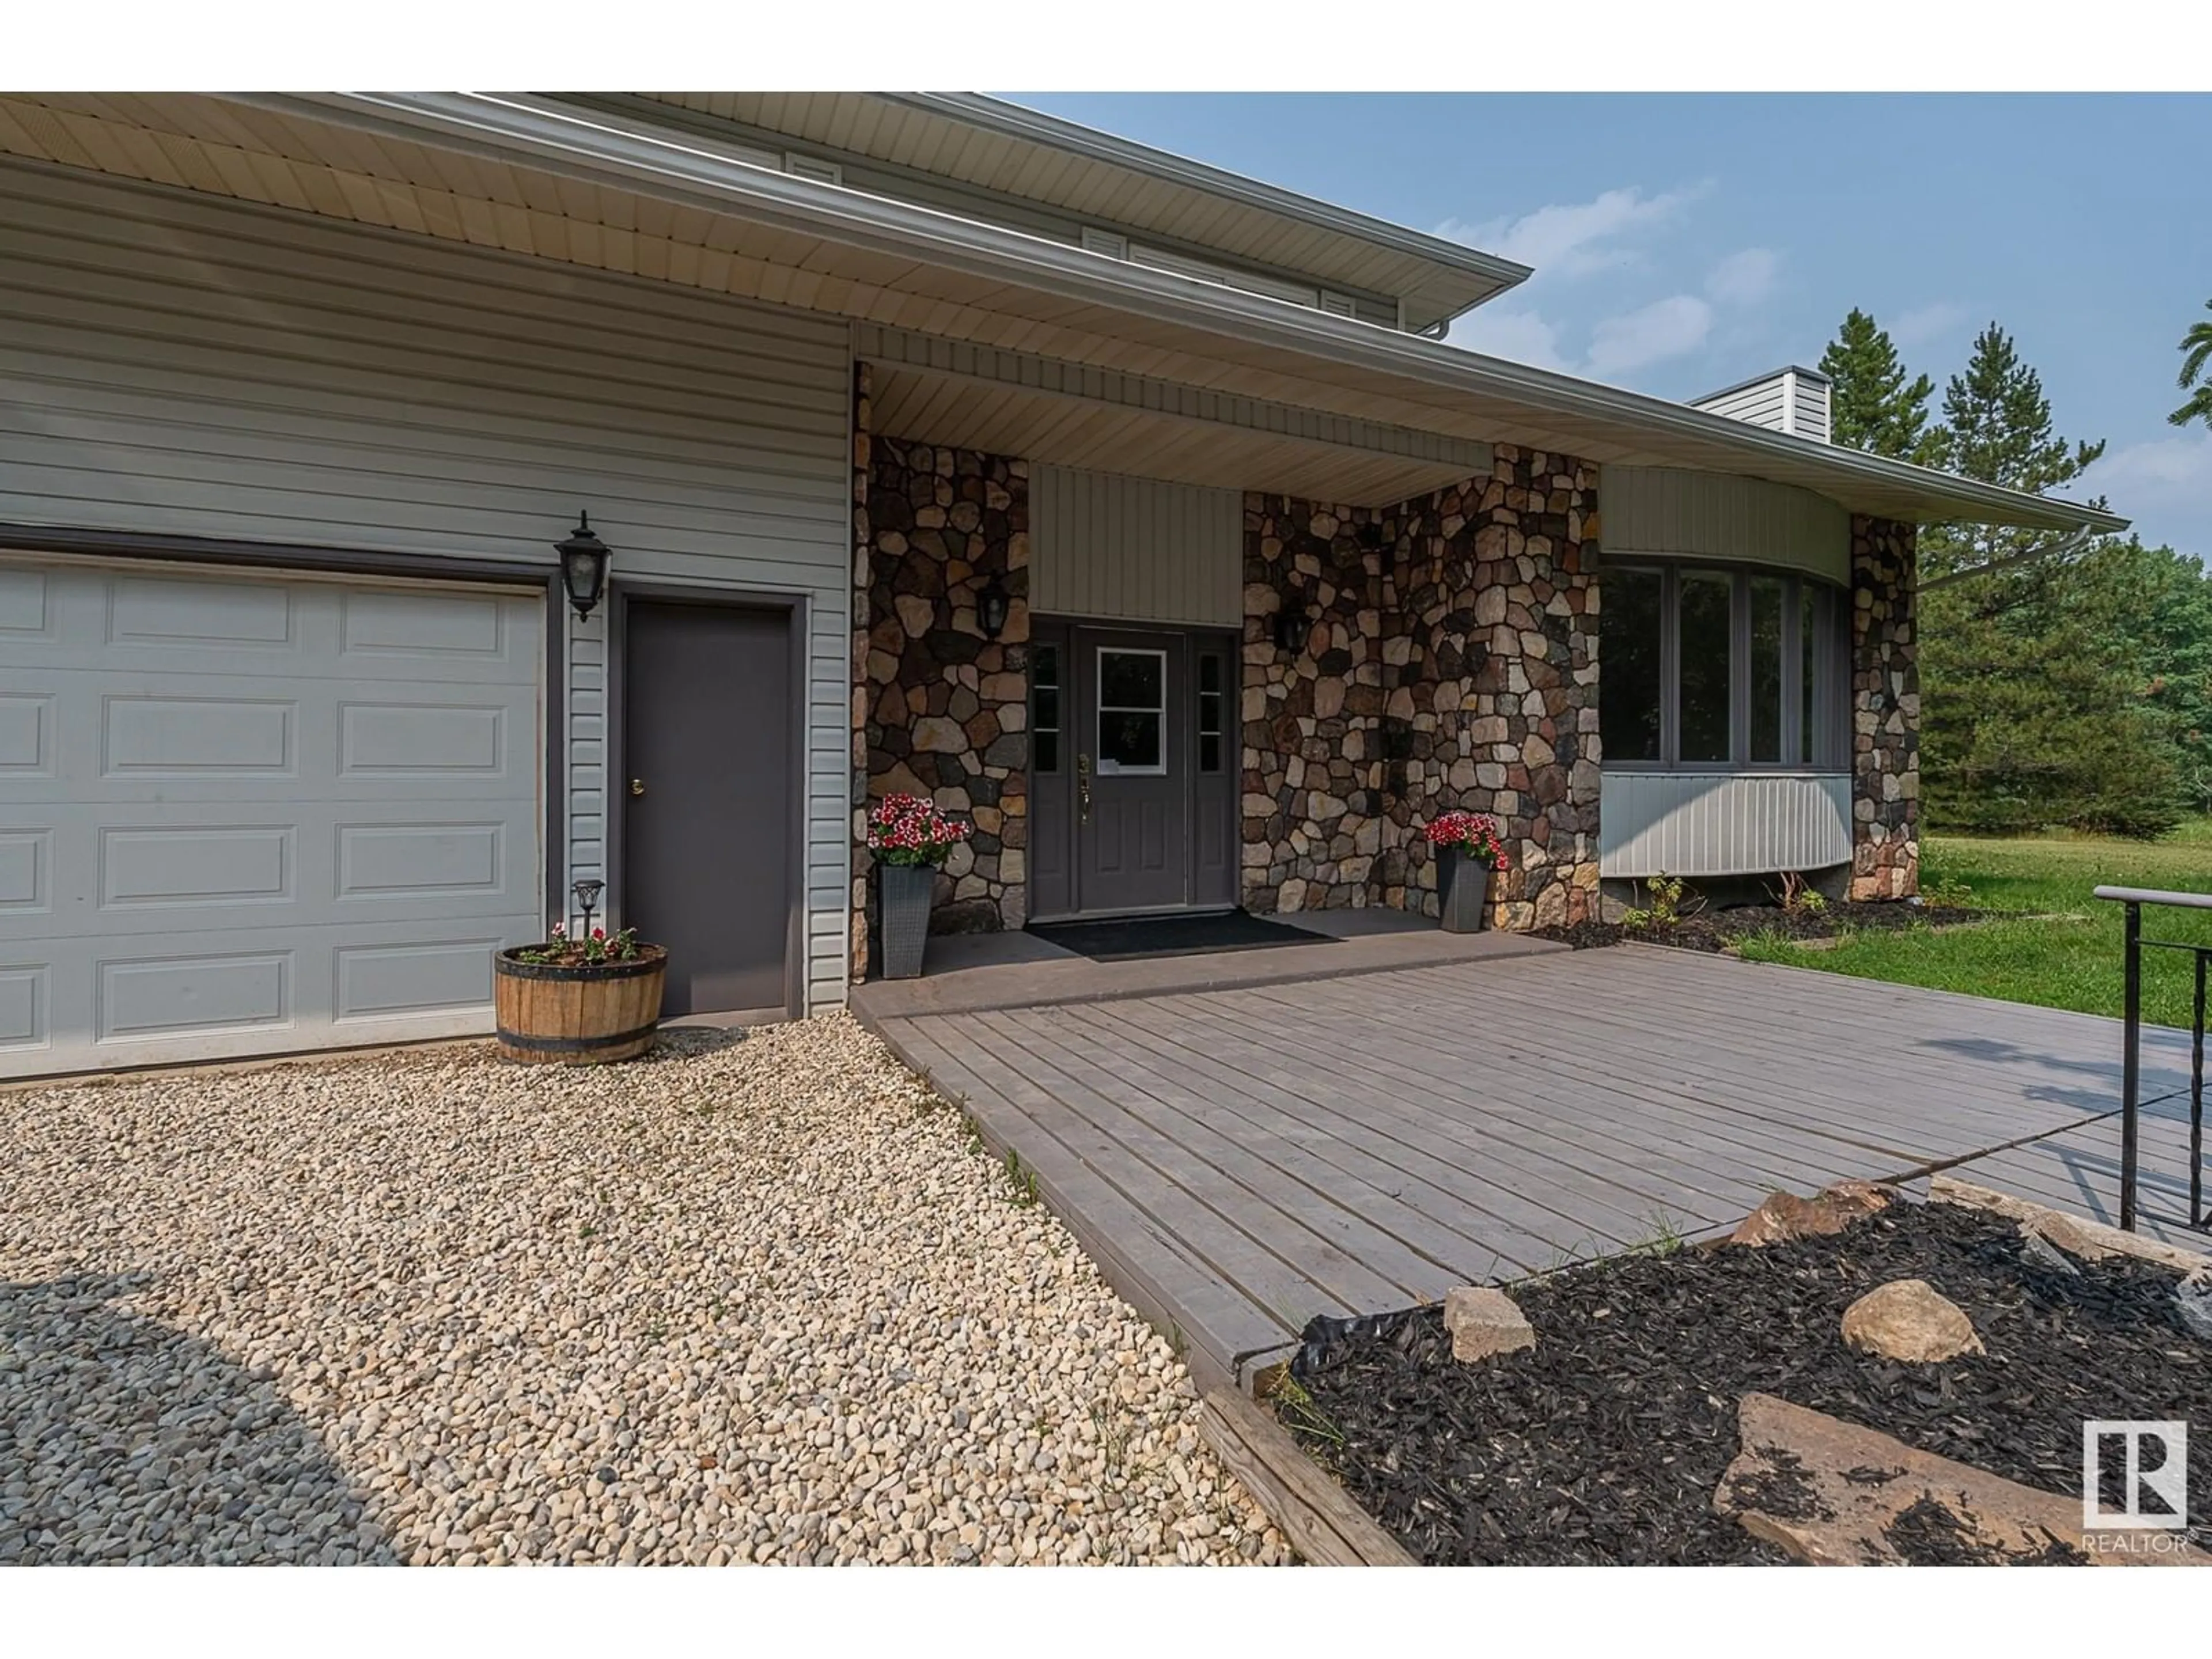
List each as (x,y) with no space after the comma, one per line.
(1238,1160)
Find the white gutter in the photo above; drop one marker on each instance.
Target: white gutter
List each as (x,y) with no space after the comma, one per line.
(503,126)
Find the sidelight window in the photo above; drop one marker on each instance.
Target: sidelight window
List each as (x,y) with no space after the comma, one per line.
(1210,716)
(1044,708)
(1132,712)
(1714,670)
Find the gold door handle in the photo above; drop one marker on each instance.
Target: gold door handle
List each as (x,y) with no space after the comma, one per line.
(1083,787)
(637,785)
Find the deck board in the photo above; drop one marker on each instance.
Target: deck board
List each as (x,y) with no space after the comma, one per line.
(1239,1158)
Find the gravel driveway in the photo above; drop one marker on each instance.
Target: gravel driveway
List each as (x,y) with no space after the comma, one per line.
(744,1300)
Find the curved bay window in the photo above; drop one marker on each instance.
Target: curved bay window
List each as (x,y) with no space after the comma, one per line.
(1702,668)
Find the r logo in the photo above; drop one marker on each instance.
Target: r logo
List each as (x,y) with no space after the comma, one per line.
(2163,1482)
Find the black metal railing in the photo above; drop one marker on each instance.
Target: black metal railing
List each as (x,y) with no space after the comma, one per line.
(2134,898)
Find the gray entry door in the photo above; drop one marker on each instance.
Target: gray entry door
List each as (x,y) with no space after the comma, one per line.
(1133,771)
(709,778)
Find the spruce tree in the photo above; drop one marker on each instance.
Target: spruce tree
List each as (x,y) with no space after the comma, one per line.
(1872,406)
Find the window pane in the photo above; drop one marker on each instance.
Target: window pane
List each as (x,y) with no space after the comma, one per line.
(1628,665)
(1045,747)
(1705,664)
(1047,708)
(1131,679)
(1128,741)
(1209,676)
(1767,668)
(1044,667)
(1209,751)
(1810,617)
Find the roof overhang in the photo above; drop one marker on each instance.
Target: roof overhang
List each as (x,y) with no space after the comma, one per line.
(535,177)
(995,145)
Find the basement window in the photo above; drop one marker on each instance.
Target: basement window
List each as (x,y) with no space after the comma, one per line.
(1712,669)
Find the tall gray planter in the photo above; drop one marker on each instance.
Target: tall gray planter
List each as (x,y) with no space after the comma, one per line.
(905,891)
(1463,891)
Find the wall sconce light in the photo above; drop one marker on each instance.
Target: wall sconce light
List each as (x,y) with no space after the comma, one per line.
(1291,625)
(583,566)
(991,607)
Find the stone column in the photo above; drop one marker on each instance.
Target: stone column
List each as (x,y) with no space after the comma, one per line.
(1885,711)
(947,705)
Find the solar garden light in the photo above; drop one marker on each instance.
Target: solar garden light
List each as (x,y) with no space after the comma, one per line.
(588,898)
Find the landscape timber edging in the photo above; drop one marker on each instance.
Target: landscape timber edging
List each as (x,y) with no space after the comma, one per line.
(1323,1523)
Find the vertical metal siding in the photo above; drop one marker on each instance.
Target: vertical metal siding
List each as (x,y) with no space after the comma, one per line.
(1667,511)
(1692,823)
(170,363)
(1135,550)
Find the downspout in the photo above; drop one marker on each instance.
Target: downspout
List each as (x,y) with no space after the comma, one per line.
(2072,544)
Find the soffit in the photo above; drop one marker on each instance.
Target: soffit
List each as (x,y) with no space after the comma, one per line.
(489,177)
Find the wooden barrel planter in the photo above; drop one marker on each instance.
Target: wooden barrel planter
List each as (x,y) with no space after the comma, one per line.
(581,1016)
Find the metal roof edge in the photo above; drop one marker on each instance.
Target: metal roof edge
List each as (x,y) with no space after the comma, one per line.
(506,123)
(1018,120)
(1761,380)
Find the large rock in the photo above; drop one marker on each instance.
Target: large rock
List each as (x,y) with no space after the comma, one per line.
(1830,1494)
(1484,1320)
(1909,1319)
(1784,1218)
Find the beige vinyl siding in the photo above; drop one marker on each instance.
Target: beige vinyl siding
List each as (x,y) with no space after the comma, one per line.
(1135,550)
(1667,513)
(1762,404)
(173,363)
(1692,823)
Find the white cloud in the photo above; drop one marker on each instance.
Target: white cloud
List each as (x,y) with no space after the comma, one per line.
(1744,278)
(2164,484)
(1572,239)
(1925,325)
(1520,336)
(1665,328)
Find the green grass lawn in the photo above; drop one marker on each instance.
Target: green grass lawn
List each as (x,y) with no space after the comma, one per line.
(2073,962)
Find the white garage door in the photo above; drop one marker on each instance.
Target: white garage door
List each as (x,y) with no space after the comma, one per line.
(247,813)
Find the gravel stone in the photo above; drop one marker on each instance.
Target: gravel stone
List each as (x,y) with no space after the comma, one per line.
(716,1306)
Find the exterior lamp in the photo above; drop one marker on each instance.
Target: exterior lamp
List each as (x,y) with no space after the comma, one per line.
(991,607)
(1290,624)
(583,566)
(587,893)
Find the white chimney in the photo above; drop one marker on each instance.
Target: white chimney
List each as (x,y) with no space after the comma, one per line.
(1792,399)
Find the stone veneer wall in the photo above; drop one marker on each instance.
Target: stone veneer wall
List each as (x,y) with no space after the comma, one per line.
(944,709)
(1885,711)
(1450,660)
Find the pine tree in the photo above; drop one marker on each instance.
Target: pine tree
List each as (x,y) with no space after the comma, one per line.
(1871,405)
(2195,353)
(2035,693)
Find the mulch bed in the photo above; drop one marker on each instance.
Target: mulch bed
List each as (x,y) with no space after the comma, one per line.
(1716,930)
(1606,1441)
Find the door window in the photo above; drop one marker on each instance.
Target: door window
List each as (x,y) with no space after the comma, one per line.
(1132,701)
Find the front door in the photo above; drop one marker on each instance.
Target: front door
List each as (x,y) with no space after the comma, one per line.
(1133,771)
(706,790)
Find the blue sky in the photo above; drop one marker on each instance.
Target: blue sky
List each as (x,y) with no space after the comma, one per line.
(1682,243)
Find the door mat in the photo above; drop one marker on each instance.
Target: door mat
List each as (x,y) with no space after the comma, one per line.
(1173,936)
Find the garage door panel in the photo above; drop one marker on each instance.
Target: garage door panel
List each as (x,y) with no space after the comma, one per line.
(196,993)
(201,858)
(383,982)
